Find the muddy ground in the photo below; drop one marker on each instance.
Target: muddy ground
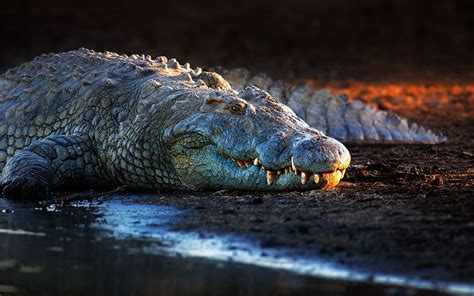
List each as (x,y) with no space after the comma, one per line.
(405,209)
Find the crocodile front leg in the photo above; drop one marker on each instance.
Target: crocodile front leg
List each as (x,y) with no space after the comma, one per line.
(53,162)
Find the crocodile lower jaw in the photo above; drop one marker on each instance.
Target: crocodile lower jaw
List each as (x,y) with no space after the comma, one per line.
(324,180)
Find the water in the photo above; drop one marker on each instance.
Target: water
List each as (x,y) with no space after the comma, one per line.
(123,246)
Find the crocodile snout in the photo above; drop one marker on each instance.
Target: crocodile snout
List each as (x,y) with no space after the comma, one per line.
(317,160)
(320,155)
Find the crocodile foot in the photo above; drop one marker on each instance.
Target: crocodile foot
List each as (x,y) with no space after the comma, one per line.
(25,188)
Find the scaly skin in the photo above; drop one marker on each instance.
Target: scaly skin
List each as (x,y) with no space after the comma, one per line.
(346,121)
(84,119)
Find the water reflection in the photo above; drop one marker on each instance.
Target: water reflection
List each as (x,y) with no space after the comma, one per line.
(123,245)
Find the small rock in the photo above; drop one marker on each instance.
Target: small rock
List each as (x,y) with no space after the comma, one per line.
(435,169)
(421,195)
(438,181)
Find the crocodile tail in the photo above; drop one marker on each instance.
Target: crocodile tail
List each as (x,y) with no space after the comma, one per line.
(338,117)
(355,121)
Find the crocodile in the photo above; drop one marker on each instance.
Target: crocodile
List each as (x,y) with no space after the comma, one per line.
(87,119)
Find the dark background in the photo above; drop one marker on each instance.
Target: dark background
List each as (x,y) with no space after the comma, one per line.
(403,39)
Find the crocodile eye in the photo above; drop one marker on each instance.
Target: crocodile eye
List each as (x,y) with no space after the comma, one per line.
(237,109)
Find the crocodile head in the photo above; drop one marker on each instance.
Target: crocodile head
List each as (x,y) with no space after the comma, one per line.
(249,141)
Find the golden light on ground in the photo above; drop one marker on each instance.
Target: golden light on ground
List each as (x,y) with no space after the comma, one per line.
(416,97)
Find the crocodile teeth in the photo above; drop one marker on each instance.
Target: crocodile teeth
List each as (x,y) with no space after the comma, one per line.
(248,163)
(316,178)
(270,177)
(304,177)
(343,172)
(256,161)
(240,163)
(293,166)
